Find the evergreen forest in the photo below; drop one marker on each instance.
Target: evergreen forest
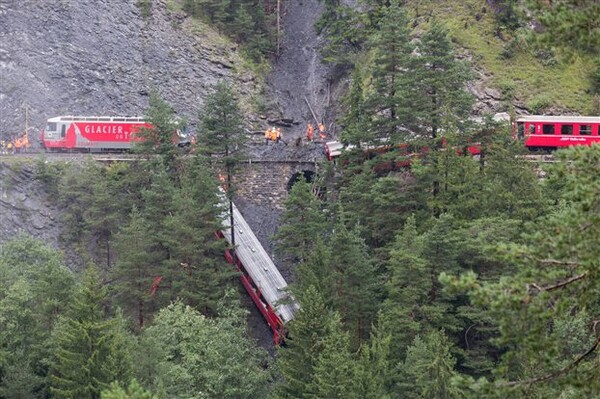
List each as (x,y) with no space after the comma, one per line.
(421,272)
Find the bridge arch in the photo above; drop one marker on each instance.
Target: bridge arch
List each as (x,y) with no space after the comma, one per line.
(308,175)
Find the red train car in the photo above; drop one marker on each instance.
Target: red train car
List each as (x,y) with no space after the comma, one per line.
(91,133)
(554,132)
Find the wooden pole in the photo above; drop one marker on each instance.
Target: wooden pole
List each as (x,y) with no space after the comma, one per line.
(278,26)
(311,110)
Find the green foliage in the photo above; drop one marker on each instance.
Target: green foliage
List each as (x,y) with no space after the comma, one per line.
(298,358)
(355,281)
(429,369)
(134,391)
(249,22)
(90,350)
(221,122)
(49,173)
(334,369)
(555,265)
(161,138)
(538,104)
(35,288)
(302,222)
(342,26)
(185,354)
(387,100)
(145,7)
(570,24)
(196,271)
(595,79)
(439,97)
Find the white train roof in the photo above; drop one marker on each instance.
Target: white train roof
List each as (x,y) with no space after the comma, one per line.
(72,118)
(260,267)
(559,119)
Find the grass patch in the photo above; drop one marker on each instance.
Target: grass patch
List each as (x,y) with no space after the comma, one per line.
(511,57)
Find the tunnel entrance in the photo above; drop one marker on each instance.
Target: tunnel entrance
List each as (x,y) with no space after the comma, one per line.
(307,175)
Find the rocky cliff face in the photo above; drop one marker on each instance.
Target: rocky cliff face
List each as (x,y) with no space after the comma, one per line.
(102,57)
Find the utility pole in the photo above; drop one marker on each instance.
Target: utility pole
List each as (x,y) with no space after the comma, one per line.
(278,26)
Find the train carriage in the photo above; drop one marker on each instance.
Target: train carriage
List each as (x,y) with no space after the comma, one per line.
(554,132)
(91,133)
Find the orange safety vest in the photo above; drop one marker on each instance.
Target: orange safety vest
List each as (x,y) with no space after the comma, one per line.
(309,131)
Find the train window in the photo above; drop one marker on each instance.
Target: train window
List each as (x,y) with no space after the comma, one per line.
(532,129)
(585,130)
(520,130)
(63,130)
(548,129)
(51,127)
(566,129)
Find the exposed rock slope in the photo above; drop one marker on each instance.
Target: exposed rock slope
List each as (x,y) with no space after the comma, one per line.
(103,57)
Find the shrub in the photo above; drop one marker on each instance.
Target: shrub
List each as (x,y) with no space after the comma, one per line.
(539,103)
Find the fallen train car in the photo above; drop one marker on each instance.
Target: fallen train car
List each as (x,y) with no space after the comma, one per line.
(260,277)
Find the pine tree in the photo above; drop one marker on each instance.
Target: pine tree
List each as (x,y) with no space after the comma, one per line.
(439,96)
(335,369)
(554,263)
(373,375)
(405,307)
(355,119)
(429,369)
(162,136)
(90,349)
(222,134)
(135,269)
(355,283)
(301,222)
(196,269)
(298,358)
(391,80)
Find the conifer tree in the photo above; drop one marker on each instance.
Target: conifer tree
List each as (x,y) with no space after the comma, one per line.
(197,271)
(373,374)
(355,283)
(391,78)
(137,266)
(438,94)
(301,222)
(91,350)
(355,119)
(317,272)
(429,369)
(222,134)
(405,307)
(162,136)
(555,263)
(298,358)
(335,369)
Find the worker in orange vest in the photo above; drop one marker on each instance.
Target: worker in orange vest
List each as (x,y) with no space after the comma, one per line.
(322,133)
(309,132)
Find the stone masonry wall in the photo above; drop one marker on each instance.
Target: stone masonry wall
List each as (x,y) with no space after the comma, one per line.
(266,183)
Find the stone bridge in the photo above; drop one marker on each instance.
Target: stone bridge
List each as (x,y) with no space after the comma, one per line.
(267,182)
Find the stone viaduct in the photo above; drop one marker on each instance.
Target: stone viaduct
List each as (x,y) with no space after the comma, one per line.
(267,182)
